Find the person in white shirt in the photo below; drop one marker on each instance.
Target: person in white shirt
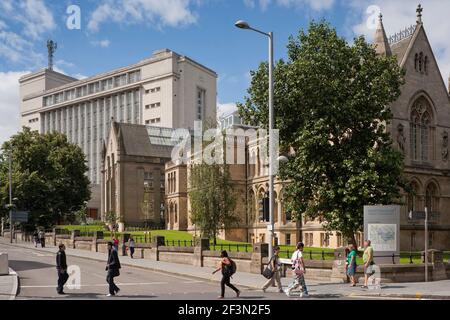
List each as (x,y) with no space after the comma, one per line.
(298,270)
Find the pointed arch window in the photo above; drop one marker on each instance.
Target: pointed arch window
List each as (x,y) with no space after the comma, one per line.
(413,204)
(421,131)
(420,61)
(432,198)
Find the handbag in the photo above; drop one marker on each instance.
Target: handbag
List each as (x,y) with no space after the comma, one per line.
(298,268)
(268,273)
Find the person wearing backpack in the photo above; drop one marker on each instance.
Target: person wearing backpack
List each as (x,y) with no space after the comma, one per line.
(274,266)
(228,268)
(298,270)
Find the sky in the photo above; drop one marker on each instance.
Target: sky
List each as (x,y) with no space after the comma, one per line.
(116,33)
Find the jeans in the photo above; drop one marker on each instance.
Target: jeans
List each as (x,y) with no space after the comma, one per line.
(226,281)
(112,286)
(62,279)
(298,280)
(276,278)
(131,252)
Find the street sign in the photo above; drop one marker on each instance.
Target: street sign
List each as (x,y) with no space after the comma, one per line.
(420,215)
(20,216)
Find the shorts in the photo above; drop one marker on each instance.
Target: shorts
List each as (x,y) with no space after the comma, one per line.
(368,270)
(351,270)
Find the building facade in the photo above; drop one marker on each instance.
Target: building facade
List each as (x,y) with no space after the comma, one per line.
(133,169)
(420,129)
(166,90)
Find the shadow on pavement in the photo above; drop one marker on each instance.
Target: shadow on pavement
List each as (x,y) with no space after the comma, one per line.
(21,265)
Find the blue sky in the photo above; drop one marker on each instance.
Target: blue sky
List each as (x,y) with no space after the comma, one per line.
(116,33)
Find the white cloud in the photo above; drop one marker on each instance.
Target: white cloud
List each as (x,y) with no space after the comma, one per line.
(225,109)
(316,5)
(101,43)
(16,49)
(171,13)
(9,104)
(34,20)
(402,13)
(37,18)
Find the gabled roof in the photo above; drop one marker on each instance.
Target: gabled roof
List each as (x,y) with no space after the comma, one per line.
(399,49)
(144,141)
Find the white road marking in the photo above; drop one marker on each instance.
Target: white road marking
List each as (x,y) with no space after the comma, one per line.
(103,285)
(193,281)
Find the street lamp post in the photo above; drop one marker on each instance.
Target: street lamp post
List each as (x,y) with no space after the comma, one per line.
(244,25)
(10,200)
(426,244)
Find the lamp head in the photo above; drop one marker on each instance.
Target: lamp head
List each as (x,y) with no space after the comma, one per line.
(241,24)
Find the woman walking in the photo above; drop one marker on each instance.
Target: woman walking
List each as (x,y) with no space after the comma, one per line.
(275,266)
(228,268)
(298,270)
(351,264)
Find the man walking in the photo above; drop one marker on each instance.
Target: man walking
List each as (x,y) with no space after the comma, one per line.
(298,270)
(131,246)
(61,267)
(275,266)
(368,262)
(112,268)
(42,238)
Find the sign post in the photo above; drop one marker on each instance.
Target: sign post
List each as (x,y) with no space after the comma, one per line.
(382,228)
(20,216)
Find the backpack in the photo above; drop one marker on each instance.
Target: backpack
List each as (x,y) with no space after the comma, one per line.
(231,268)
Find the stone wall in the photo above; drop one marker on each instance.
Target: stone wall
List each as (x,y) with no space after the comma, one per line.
(250,262)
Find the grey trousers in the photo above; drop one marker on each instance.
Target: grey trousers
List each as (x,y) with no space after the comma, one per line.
(276,278)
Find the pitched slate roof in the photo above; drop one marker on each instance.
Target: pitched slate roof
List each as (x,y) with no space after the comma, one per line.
(399,49)
(144,141)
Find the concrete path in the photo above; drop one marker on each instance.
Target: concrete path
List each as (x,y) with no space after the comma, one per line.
(431,290)
(9,286)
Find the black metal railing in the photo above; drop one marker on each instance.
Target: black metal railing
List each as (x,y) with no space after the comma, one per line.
(237,247)
(179,243)
(309,254)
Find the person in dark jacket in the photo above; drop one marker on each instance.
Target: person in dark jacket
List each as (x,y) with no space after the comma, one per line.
(35,238)
(61,267)
(226,267)
(112,268)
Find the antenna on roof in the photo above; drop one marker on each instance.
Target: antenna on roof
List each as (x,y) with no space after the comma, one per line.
(51,47)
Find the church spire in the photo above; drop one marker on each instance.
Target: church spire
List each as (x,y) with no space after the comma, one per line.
(381,41)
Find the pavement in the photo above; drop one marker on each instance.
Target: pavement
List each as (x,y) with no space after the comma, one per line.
(145,273)
(9,285)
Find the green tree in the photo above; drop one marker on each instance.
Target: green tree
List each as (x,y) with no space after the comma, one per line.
(331,101)
(212,199)
(49,176)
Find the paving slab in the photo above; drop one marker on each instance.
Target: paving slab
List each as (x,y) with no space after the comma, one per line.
(430,290)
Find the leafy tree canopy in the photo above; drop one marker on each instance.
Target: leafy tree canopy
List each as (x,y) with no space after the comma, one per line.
(331,101)
(48,174)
